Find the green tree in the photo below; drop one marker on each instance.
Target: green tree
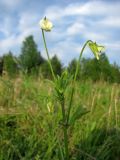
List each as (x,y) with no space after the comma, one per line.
(90,69)
(115,72)
(100,70)
(57,66)
(72,68)
(96,70)
(45,69)
(1,65)
(30,57)
(10,64)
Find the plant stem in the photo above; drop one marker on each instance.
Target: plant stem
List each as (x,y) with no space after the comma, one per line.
(65,130)
(66,143)
(74,79)
(77,68)
(49,61)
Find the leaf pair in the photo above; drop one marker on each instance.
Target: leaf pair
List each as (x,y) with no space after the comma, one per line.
(61,83)
(79,112)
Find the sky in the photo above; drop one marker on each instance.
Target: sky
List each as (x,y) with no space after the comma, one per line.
(75,21)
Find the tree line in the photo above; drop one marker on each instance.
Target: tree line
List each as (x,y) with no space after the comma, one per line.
(31,62)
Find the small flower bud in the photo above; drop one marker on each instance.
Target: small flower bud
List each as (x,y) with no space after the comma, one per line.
(45,24)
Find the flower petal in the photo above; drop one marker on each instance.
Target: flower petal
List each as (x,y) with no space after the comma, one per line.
(96,49)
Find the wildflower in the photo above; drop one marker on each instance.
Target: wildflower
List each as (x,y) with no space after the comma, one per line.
(96,49)
(45,24)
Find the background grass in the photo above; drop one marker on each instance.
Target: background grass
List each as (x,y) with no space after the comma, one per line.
(30,121)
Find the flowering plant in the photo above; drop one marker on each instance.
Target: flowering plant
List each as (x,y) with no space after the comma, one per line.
(62,82)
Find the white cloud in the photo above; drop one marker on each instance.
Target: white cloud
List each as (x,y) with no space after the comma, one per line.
(65,51)
(6,26)
(95,36)
(4,31)
(113,51)
(14,35)
(74,24)
(91,8)
(113,45)
(14,40)
(86,31)
(28,20)
(7,43)
(10,3)
(110,21)
(87,19)
(76,28)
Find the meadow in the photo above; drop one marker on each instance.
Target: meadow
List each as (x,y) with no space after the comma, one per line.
(30,120)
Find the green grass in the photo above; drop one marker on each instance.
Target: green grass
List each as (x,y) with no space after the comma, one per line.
(30,121)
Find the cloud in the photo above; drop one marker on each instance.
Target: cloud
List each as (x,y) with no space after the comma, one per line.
(111,21)
(74,23)
(86,31)
(14,32)
(96,20)
(91,8)
(28,20)
(9,7)
(76,28)
(10,3)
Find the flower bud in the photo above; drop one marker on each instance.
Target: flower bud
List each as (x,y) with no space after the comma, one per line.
(45,25)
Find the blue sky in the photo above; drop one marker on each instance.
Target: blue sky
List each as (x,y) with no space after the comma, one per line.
(75,21)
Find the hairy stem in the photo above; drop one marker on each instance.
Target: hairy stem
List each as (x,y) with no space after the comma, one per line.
(49,61)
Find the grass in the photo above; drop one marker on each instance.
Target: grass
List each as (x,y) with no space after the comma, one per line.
(30,122)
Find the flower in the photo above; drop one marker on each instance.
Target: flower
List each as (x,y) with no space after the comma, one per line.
(96,49)
(45,24)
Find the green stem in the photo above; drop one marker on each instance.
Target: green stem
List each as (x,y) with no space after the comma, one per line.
(49,61)
(77,68)
(70,104)
(66,143)
(65,130)
(75,77)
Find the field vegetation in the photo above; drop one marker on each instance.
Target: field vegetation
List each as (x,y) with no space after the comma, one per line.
(52,112)
(30,120)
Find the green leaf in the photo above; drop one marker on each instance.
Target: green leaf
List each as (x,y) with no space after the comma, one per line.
(79,113)
(60,151)
(93,126)
(62,82)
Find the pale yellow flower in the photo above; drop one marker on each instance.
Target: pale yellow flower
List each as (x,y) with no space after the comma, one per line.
(96,49)
(45,24)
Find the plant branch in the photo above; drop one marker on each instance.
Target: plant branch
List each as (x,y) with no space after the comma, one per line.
(73,83)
